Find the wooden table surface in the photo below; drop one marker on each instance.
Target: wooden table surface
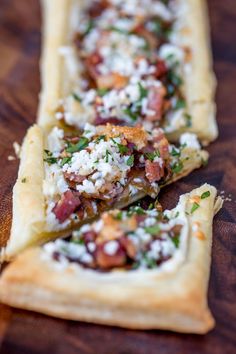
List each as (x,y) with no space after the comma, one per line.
(23,332)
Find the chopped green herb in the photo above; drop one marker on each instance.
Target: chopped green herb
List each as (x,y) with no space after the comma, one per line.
(150,262)
(99,138)
(188,119)
(130,114)
(175,240)
(151,155)
(23,180)
(151,206)
(205,195)
(174,78)
(82,144)
(180,104)
(153,230)
(102,91)
(194,207)
(76,97)
(130,160)
(122,148)
(177,214)
(65,160)
(142,91)
(177,167)
(118,30)
(119,215)
(136,210)
(89,27)
(175,152)
(79,241)
(50,160)
(107,156)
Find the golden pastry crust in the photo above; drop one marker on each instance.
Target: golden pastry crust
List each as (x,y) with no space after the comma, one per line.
(199,79)
(174,300)
(192,31)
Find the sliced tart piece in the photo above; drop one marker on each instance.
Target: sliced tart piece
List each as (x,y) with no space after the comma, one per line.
(140,269)
(66,179)
(145,62)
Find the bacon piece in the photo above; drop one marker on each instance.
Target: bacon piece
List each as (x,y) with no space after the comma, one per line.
(161,68)
(73,177)
(129,247)
(150,38)
(106,261)
(91,63)
(69,202)
(161,144)
(97,8)
(113,121)
(154,172)
(155,103)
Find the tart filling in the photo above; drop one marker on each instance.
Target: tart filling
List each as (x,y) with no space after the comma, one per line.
(103,166)
(125,240)
(127,66)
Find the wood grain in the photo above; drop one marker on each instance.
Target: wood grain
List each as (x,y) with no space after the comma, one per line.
(24,332)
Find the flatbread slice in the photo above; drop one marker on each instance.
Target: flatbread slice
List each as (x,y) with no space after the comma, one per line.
(135,269)
(65,180)
(175,92)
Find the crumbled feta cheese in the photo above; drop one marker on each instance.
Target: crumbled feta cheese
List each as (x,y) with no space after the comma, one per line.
(111,247)
(190,140)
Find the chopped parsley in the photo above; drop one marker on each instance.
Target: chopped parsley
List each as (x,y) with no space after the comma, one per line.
(194,207)
(119,215)
(99,138)
(180,104)
(118,30)
(175,152)
(102,91)
(175,240)
(49,158)
(23,180)
(142,91)
(130,160)
(76,97)
(122,148)
(65,160)
(152,155)
(89,28)
(153,230)
(136,210)
(82,144)
(130,114)
(188,119)
(177,167)
(107,156)
(205,195)
(174,78)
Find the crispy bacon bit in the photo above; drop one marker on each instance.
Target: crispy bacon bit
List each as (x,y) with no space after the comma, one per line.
(102,121)
(155,102)
(91,64)
(69,202)
(73,177)
(106,261)
(129,247)
(161,144)
(200,235)
(161,68)
(97,8)
(150,38)
(154,172)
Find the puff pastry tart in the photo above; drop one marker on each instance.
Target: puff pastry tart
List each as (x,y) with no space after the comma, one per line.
(66,178)
(128,62)
(140,269)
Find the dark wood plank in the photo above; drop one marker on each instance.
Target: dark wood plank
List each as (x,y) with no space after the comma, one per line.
(26,332)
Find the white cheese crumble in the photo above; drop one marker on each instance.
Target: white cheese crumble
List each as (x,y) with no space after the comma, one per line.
(111,247)
(190,140)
